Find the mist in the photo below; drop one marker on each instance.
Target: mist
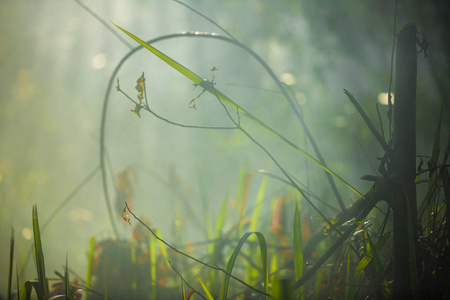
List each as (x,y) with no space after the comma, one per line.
(57,60)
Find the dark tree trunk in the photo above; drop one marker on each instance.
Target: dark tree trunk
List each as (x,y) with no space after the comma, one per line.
(404,161)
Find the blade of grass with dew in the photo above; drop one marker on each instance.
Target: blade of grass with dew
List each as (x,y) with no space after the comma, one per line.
(11,262)
(39,254)
(298,248)
(208,86)
(208,294)
(91,254)
(233,257)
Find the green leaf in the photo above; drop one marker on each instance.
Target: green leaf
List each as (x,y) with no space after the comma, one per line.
(28,287)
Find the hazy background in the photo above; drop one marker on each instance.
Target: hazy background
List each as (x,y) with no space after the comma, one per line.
(56,61)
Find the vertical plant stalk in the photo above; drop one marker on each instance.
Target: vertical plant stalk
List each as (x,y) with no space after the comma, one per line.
(404,162)
(11,260)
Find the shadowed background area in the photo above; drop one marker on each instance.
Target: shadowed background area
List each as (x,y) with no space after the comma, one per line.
(56,62)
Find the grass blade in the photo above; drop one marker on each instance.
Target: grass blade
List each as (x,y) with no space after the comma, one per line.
(39,254)
(152,252)
(240,191)
(163,249)
(17,281)
(208,294)
(233,257)
(258,205)
(347,277)
(298,248)
(11,260)
(91,254)
(218,246)
(208,86)
(66,278)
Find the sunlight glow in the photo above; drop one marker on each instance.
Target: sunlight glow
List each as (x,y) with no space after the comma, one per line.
(383,98)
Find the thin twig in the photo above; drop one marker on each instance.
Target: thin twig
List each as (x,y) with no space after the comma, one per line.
(147,108)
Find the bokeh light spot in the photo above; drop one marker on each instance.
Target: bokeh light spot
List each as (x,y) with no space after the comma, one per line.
(288,79)
(27,233)
(383,98)
(99,61)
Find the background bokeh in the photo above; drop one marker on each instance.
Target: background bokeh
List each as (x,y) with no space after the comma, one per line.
(56,60)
